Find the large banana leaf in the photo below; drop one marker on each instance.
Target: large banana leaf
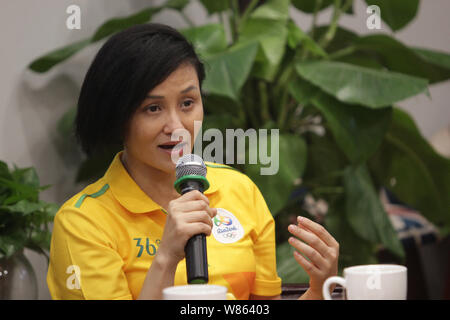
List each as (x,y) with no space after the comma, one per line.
(48,61)
(413,171)
(358,131)
(364,211)
(267,26)
(353,249)
(208,39)
(359,85)
(395,56)
(227,71)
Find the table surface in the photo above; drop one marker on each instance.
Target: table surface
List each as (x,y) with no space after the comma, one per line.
(295,290)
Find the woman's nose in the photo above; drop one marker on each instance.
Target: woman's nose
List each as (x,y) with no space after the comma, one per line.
(172,122)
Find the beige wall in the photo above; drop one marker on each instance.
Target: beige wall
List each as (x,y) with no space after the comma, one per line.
(31,104)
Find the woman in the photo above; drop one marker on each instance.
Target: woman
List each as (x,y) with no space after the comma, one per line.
(123,237)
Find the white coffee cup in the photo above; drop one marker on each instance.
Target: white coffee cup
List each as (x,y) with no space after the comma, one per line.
(371,282)
(195,292)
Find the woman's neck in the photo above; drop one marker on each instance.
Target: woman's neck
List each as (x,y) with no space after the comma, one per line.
(157,184)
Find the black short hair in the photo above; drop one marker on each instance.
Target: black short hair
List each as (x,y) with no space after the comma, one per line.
(129,65)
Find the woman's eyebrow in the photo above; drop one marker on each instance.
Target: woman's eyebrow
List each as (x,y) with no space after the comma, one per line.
(188,89)
(182,91)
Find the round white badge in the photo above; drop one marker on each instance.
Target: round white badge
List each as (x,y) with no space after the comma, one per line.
(226,227)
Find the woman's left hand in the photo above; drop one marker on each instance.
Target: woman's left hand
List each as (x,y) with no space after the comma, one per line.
(320,248)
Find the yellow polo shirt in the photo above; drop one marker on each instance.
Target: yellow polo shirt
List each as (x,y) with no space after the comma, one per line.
(105,238)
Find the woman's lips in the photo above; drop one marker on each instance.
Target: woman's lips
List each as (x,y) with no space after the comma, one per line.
(177,148)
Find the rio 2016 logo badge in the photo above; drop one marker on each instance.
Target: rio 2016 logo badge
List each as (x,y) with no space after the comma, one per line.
(222,220)
(226,228)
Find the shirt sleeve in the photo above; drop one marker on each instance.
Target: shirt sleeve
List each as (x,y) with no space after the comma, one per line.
(267,282)
(84,263)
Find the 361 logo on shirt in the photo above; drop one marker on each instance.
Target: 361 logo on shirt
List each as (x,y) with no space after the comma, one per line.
(150,248)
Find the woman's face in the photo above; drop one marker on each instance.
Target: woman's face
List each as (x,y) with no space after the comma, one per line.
(174,104)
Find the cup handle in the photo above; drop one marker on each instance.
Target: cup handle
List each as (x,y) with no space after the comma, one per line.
(328,282)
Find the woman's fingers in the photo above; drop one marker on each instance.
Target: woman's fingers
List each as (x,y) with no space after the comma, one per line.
(187,216)
(199,216)
(313,255)
(306,265)
(321,252)
(313,240)
(194,195)
(318,230)
(192,201)
(188,206)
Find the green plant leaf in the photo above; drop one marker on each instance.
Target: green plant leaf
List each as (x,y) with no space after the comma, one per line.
(11,243)
(440,60)
(342,38)
(4,170)
(302,91)
(296,36)
(40,241)
(353,249)
(358,85)
(207,39)
(361,59)
(221,105)
(19,191)
(24,207)
(358,131)
(395,56)
(267,25)
(396,13)
(271,38)
(118,24)
(65,125)
(309,5)
(277,188)
(325,162)
(49,60)
(218,121)
(437,58)
(22,214)
(365,213)
(272,9)
(214,6)
(227,72)
(27,176)
(408,165)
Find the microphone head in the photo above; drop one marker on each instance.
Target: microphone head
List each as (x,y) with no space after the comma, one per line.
(190,164)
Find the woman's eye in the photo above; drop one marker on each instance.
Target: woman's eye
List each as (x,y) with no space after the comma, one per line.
(188,103)
(152,108)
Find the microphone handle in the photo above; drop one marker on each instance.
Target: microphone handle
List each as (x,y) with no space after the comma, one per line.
(196,260)
(195,249)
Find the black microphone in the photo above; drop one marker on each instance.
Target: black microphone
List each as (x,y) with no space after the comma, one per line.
(191,175)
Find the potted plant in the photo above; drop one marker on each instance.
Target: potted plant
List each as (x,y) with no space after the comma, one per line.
(23,224)
(332,93)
